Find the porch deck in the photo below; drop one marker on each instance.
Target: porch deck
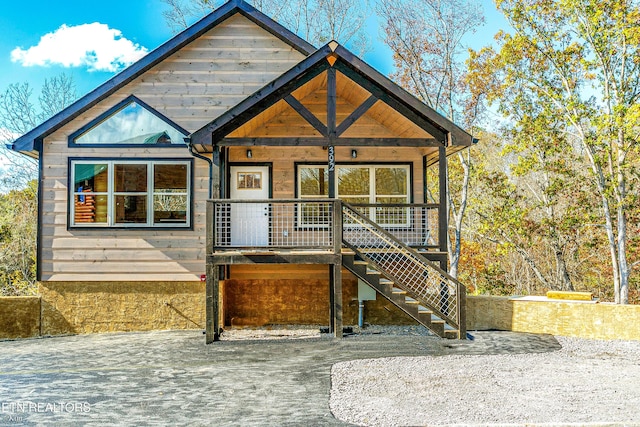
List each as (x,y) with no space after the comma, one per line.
(395,254)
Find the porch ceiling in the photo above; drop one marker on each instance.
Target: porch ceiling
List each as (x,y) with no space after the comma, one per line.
(331,98)
(282,120)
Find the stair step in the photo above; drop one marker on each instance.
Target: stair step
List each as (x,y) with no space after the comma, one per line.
(424,310)
(438,328)
(436,319)
(451,333)
(398,296)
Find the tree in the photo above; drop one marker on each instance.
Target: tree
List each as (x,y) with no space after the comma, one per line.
(537,207)
(579,61)
(316,21)
(19,114)
(427,41)
(18,219)
(18,200)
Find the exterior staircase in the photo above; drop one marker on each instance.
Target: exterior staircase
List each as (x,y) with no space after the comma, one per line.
(403,276)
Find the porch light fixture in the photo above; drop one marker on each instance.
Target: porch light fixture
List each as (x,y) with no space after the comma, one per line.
(249,154)
(354,154)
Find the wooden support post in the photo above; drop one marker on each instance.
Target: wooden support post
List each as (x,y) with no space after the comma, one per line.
(425,183)
(223,172)
(331,130)
(331,103)
(215,178)
(335,289)
(209,330)
(461,296)
(443,226)
(443,219)
(335,273)
(210,228)
(331,169)
(213,303)
(335,270)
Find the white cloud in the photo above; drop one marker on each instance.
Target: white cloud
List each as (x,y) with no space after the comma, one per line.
(95,46)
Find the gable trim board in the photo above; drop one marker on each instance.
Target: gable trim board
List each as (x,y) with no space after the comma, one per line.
(31,143)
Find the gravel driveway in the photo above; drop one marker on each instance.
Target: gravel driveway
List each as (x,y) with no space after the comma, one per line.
(297,378)
(587,382)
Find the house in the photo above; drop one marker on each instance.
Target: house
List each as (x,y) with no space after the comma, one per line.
(292,180)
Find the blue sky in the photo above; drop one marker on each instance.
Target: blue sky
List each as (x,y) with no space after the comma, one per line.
(24,24)
(120,31)
(41,39)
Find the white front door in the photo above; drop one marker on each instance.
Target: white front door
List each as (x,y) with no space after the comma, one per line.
(249,222)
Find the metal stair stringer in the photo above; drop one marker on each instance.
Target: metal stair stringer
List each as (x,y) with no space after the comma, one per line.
(403,276)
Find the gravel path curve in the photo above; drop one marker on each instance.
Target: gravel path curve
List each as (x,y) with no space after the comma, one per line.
(587,382)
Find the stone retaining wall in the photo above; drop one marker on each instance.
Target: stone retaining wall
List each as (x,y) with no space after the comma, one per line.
(68,308)
(19,317)
(86,307)
(541,315)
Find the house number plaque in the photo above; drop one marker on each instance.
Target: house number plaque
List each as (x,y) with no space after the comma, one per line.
(332,159)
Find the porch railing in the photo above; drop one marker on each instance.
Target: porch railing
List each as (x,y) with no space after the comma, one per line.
(307,223)
(415,225)
(264,224)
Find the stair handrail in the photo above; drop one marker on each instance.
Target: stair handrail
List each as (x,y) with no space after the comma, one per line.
(455,322)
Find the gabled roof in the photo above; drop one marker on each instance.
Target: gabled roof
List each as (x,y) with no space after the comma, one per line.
(31,142)
(331,56)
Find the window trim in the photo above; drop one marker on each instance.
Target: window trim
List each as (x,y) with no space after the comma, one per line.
(111,193)
(71,140)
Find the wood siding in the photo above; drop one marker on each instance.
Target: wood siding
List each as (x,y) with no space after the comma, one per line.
(284,159)
(193,86)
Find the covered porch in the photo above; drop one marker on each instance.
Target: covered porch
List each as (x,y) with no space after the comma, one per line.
(326,161)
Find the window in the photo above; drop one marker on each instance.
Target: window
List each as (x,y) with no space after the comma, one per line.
(361,184)
(132,122)
(130,193)
(313,182)
(249,180)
